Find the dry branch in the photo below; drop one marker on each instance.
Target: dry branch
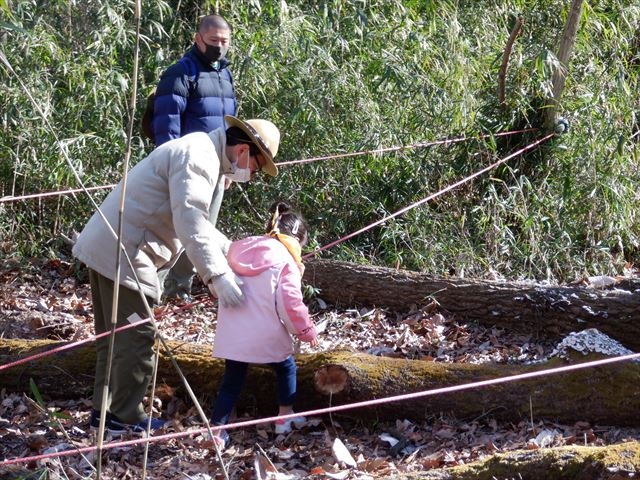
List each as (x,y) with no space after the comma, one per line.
(502,74)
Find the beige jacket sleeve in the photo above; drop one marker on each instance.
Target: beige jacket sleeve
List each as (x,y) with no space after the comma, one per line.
(192,181)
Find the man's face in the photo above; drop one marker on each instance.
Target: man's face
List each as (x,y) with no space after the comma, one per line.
(214,43)
(243,159)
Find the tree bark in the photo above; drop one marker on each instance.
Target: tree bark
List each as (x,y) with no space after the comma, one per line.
(606,395)
(559,75)
(520,307)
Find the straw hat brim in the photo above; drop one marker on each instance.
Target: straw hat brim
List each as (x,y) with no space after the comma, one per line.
(270,167)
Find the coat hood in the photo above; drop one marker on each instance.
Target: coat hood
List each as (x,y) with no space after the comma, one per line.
(253,255)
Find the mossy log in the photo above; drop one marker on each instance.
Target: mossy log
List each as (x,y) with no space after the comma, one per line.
(613,462)
(606,395)
(518,307)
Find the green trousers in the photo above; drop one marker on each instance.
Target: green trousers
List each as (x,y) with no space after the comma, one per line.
(133,354)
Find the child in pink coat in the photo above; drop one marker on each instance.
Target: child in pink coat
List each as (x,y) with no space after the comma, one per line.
(259,330)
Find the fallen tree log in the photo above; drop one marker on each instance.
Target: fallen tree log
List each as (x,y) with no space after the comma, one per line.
(519,307)
(606,395)
(613,462)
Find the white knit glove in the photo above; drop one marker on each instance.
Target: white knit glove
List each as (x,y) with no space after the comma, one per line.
(227,288)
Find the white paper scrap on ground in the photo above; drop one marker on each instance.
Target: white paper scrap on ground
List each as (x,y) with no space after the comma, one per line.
(341,453)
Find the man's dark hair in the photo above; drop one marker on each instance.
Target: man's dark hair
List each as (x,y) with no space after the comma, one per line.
(213,21)
(236,136)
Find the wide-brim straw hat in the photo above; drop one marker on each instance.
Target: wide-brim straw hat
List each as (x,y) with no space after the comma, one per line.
(264,134)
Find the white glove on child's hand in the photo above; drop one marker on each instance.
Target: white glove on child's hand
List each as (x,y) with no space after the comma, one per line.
(227,288)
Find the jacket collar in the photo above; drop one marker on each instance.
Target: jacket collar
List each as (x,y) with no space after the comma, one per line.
(219,139)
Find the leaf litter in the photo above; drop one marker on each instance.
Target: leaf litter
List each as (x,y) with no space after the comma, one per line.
(47,301)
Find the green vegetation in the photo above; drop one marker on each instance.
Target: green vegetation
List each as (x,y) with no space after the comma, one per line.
(341,76)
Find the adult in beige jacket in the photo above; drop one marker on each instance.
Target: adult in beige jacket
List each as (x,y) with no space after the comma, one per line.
(169,199)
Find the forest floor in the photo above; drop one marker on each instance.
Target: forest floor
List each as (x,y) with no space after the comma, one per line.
(46,300)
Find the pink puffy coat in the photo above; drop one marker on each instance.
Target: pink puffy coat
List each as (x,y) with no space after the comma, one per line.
(259,331)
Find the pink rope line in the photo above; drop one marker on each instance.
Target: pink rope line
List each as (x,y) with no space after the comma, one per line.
(337,408)
(68,346)
(11,198)
(444,141)
(430,197)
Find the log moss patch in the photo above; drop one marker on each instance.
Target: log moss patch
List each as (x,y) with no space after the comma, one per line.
(570,462)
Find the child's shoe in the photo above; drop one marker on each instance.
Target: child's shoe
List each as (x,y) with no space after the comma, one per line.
(221,439)
(285,425)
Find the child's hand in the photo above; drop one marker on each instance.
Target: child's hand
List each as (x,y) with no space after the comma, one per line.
(309,335)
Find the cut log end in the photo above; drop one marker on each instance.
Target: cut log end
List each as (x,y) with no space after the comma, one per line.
(331,379)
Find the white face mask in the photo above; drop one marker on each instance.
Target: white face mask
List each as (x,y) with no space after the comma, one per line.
(240,175)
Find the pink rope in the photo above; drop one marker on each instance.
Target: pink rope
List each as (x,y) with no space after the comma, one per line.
(11,198)
(430,197)
(350,406)
(68,346)
(445,141)
(339,407)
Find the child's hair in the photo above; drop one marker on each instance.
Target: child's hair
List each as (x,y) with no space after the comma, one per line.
(284,219)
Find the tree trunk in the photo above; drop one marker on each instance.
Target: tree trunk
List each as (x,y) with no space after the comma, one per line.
(519,307)
(604,395)
(559,74)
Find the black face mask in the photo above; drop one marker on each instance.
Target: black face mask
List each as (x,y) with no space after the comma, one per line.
(214,52)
